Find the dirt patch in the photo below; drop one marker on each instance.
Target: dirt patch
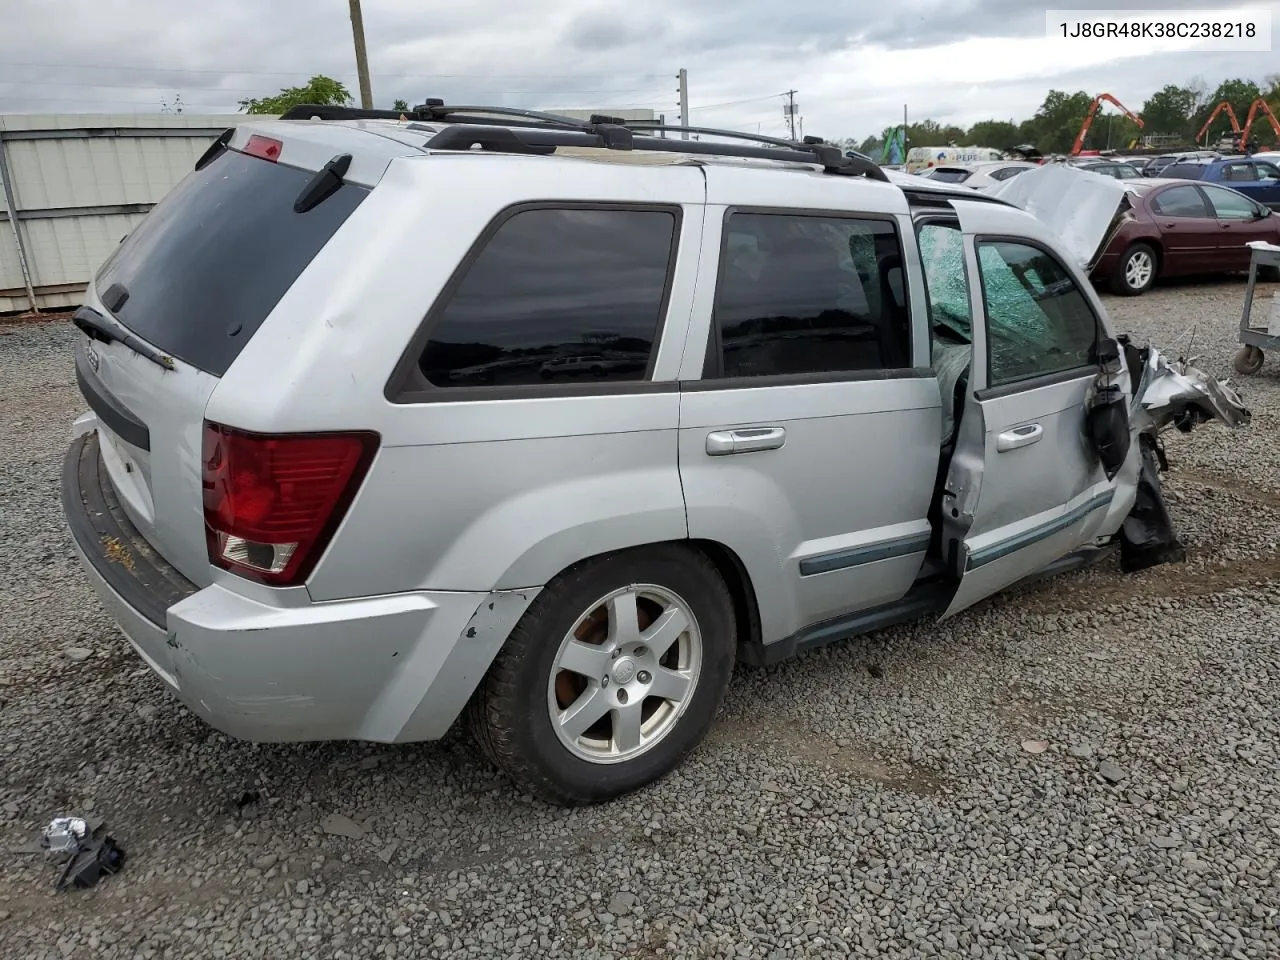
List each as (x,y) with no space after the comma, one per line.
(855,759)
(1197,579)
(1223,482)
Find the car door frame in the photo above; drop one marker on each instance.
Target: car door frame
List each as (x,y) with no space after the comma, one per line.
(1234,233)
(1271,196)
(1188,258)
(985,558)
(783,583)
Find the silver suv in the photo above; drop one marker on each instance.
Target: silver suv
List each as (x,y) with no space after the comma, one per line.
(551,422)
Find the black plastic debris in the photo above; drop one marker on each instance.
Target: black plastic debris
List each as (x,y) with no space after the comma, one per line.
(1147,537)
(91,853)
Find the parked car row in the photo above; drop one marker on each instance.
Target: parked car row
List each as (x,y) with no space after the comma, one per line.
(1195,220)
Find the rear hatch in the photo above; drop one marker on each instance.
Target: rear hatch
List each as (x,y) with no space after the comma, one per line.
(183,295)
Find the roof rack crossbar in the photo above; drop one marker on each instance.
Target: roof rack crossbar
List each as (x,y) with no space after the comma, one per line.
(542,141)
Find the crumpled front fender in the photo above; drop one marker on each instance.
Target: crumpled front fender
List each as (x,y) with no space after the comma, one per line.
(1178,393)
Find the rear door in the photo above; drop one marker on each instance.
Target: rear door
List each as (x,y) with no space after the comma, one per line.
(191,284)
(1023,488)
(810,420)
(1242,175)
(1188,229)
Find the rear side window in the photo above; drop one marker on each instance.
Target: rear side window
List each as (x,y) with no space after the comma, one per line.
(803,294)
(556,296)
(211,260)
(1184,171)
(1180,202)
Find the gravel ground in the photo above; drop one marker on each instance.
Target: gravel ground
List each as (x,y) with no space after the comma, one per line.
(871,799)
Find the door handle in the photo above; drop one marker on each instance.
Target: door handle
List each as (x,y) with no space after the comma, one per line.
(1225,226)
(1019,437)
(721,443)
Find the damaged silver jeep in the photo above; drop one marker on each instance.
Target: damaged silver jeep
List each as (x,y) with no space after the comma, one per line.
(546,425)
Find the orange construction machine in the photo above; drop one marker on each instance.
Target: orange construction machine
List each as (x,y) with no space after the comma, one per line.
(1258,105)
(1093,110)
(1231,115)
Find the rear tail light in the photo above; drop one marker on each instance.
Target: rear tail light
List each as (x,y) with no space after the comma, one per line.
(263,147)
(273,501)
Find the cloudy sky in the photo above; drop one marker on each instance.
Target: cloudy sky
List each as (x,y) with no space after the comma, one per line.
(853,63)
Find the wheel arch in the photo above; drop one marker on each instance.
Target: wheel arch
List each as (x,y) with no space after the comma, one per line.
(746,608)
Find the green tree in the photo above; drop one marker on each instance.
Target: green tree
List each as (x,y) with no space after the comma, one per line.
(401,104)
(930,133)
(1054,127)
(1170,110)
(319,90)
(998,134)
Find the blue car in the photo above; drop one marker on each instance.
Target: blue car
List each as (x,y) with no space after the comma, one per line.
(1256,179)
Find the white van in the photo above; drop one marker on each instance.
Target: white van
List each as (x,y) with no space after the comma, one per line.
(921,158)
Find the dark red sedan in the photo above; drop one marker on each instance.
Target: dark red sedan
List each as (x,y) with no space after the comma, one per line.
(1180,228)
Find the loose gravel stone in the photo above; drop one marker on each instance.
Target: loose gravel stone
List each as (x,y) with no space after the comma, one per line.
(1111,772)
(835,810)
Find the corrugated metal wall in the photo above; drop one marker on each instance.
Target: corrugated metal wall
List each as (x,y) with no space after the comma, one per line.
(79,183)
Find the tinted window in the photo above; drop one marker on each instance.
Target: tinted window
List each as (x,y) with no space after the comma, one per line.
(556,296)
(950,175)
(1266,171)
(212,259)
(1038,321)
(1122,171)
(800,294)
(1229,205)
(1184,171)
(1238,172)
(1180,202)
(1004,173)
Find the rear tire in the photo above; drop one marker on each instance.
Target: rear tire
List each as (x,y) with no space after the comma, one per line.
(633,702)
(1136,271)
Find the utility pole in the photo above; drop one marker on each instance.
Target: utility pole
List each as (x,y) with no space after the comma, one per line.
(683,77)
(362,56)
(791,112)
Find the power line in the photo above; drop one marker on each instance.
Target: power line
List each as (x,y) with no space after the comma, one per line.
(734,103)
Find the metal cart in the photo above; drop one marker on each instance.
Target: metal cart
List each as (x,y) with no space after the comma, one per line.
(1250,357)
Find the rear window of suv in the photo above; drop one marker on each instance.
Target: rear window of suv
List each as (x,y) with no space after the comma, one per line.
(211,260)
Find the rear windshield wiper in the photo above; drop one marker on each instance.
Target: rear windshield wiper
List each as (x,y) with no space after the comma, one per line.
(98,327)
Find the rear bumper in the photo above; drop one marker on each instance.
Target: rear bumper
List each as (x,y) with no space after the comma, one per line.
(390,668)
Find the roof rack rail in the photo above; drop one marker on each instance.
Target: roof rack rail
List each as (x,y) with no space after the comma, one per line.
(658,125)
(535,132)
(832,160)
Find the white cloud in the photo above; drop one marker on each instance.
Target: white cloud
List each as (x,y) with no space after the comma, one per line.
(853,66)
